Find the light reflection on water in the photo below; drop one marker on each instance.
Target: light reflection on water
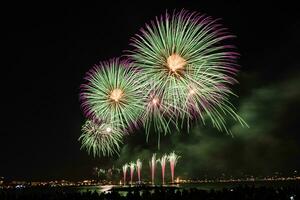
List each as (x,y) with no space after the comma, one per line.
(203,186)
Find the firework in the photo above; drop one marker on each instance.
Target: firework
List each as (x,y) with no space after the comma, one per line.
(113,92)
(132,167)
(155,115)
(163,160)
(152,164)
(138,168)
(124,168)
(173,161)
(100,138)
(189,64)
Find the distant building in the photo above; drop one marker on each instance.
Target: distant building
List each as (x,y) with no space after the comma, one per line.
(35,183)
(18,182)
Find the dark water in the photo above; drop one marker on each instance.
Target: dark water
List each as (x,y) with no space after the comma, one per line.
(275,190)
(202,186)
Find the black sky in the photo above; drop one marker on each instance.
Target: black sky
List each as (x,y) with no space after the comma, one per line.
(47,48)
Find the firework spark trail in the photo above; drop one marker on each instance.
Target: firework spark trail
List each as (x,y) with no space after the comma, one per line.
(138,168)
(100,138)
(132,167)
(152,164)
(181,69)
(113,92)
(155,114)
(125,172)
(187,61)
(173,158)
(163,160)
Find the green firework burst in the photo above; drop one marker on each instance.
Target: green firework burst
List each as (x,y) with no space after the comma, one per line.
(100,138)
(113,93)
(188,62)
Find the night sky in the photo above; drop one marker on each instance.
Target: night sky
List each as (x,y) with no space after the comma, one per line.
(48,48)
